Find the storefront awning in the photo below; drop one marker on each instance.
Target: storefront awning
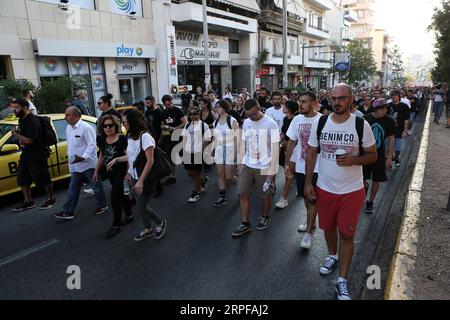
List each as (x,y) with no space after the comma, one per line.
(250,5)
(70,48)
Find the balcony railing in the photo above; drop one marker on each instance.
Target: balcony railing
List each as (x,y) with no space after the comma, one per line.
(318,28)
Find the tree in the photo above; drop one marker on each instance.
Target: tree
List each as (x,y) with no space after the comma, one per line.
(441,26)
(362,62)
(51,95)
(14,88)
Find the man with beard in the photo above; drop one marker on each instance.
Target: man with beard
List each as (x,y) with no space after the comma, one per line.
(276,112)
(300,130)
(264,99)
(33,160)
(344,143)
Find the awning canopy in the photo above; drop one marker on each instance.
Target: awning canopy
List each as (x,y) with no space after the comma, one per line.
(250,5)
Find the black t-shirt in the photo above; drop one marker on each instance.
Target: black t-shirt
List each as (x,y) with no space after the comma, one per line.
(114,112)
(155,117)
(361,109)
(414,103)
(236,115)
(448,97)
(30,127)
(185,98)
(400,112)
(323,108)
(113,151)
(381,128)
(324,102)
(285,127)
(172,117)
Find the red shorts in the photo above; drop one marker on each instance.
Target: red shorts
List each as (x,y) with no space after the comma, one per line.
(340,210)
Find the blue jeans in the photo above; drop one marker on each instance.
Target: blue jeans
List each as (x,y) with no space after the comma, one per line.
(76,181)
(437,111)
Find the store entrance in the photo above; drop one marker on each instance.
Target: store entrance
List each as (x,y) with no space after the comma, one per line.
(195,76)
(133,90)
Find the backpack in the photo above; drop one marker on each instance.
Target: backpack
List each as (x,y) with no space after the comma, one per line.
(228,122)
(48,133)
(359,124)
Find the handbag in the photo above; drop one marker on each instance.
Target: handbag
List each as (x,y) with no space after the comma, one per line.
(161,165)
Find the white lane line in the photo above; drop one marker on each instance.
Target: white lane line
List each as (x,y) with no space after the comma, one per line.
(27,252)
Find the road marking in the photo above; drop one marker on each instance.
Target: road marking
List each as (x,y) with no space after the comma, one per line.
(27,252)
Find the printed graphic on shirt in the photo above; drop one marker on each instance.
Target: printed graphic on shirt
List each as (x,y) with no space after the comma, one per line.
(379,134)
(332,141)
(304,130)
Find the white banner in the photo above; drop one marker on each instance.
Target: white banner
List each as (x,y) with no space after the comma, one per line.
(85,4)
(52,67)
(126,7)
(78,66)
(190,49)
(172,56)
(131,66)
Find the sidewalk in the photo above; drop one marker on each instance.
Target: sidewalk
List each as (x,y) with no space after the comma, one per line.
(420,268)
(432,274)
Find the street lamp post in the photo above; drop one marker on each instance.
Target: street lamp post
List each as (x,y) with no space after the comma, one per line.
(206,47)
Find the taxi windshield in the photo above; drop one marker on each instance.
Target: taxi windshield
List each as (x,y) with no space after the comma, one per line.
(4,129)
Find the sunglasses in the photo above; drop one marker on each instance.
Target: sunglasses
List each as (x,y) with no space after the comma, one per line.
(109,126)
(99,103)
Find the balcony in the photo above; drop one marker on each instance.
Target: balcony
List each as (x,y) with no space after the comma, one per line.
(348,35)
(322,4)
(351,16)
(316,31)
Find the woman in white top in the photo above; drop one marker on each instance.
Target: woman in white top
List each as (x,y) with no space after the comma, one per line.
(195,136)
(225,152)
(137,132)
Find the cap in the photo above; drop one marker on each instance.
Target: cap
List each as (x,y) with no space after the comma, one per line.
(379,103)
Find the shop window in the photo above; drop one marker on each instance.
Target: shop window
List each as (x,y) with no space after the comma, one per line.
(233,45)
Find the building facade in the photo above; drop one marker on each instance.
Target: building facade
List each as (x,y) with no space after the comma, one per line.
(108,44)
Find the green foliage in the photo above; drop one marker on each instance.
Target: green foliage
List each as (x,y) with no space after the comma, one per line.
(14,88)
(51,96)
(362,63)
(262,58)
(441,26)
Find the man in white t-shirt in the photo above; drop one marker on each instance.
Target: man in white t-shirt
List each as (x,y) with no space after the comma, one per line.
(28,95)
(260,148)
(300,130)
(276,112)
(340,193)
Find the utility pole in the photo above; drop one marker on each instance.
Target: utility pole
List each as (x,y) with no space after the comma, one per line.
(206,47)
(285,57)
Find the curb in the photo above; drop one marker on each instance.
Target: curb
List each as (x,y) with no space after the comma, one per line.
(400,285)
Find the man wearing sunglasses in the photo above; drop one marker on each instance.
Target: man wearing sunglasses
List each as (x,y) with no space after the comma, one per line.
(340,194)
(260,151)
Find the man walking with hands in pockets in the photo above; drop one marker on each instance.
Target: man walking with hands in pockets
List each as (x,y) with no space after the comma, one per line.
(344,143)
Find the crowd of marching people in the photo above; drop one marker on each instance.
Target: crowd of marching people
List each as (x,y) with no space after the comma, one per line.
(335,147)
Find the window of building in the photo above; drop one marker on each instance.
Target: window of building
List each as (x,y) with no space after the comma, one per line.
(292,50)
(361,13)
(233,45)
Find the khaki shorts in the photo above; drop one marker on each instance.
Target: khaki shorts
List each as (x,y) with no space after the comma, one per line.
(248,178)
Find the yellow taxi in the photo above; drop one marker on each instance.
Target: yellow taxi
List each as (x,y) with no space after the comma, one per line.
(10,152)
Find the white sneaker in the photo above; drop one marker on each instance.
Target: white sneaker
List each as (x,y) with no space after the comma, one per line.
(195,197)
(302,228)
(283,203)
(89,191)
(342,291)
(306,242)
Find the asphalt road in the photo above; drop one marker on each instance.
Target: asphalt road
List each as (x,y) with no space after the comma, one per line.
(197,259)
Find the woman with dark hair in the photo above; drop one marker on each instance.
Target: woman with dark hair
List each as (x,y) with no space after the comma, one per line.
(113,145)
(290,110)
(207,115)
(225,152)
(139,140)
(105,106)
(195,135)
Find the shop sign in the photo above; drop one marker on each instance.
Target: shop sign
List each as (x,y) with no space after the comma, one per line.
(52,66)
(342,61)
(190,49)
(78,66)
(172,55)
(131,66)
(126,7)
(267,71)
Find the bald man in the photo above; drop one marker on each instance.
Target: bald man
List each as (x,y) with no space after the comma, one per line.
(340,193)
(82,157)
